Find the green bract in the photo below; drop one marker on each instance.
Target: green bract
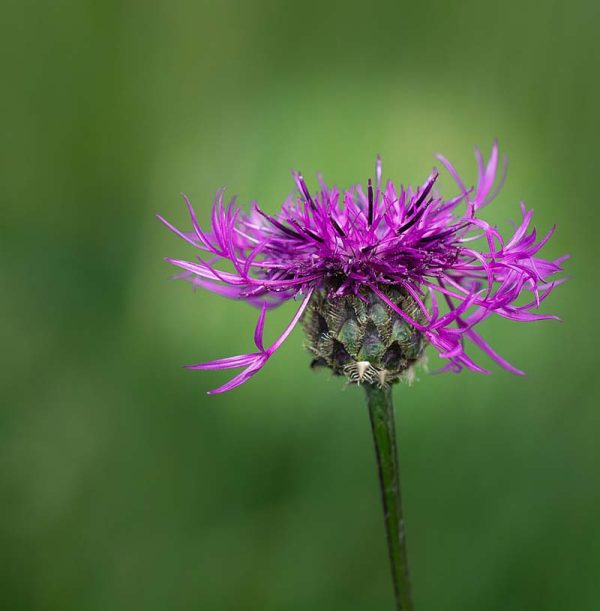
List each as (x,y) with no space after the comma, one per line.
(362,338)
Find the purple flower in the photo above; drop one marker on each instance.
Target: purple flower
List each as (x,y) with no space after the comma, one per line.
(457,268)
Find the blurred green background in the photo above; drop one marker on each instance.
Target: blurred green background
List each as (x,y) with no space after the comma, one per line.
(122,485)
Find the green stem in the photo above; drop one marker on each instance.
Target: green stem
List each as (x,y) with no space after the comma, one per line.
(381,412)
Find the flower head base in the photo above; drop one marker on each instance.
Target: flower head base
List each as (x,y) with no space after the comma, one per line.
(409,251)
(362,338)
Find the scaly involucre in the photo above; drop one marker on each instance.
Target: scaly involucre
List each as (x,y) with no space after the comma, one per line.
(352,241)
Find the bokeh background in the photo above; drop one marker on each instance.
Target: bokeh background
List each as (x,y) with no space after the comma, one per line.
(122,485)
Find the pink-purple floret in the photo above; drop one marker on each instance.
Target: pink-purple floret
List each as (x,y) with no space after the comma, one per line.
(413,239)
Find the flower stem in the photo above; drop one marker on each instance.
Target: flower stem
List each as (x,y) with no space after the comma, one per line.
(381,412)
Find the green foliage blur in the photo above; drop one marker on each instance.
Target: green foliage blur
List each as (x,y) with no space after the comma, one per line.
(122,485)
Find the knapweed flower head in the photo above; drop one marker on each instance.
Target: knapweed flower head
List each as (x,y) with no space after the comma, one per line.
(379,273)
